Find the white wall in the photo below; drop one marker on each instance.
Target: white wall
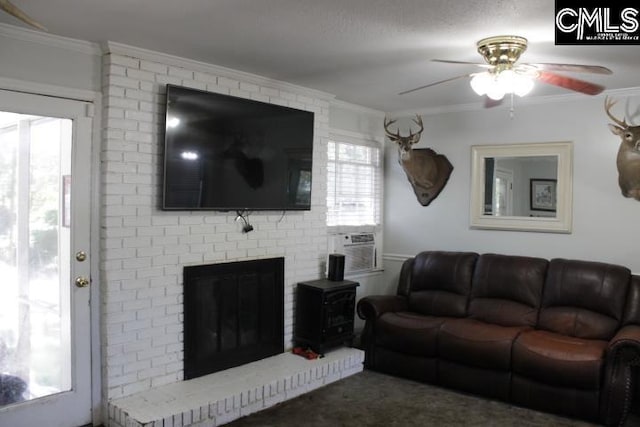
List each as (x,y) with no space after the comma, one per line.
(606,225)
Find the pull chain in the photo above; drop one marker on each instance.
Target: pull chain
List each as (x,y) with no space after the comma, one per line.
(511,108)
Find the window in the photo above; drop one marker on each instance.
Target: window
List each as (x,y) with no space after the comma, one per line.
(354,175)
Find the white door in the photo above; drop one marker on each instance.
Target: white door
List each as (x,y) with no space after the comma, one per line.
(45,357)
(503,193)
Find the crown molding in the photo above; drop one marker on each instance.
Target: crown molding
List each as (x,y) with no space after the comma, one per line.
(355,107)
(457,108)
(526,101)
(168,59)
(48,39)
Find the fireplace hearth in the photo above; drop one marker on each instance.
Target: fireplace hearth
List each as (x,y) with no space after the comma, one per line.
(233,314)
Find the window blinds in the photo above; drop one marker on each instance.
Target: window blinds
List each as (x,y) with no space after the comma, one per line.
(353,184)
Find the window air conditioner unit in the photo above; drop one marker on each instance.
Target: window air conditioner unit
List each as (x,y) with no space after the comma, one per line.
(359,250)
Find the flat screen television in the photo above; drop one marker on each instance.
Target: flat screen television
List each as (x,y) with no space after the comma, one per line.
(228,153)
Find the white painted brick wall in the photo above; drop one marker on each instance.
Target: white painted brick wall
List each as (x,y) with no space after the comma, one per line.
(144,249)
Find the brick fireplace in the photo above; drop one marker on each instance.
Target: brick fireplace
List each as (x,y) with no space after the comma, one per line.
(233,319)
(144,249)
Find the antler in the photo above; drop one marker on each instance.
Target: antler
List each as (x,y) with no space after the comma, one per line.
(418,121)
(608,103)
(415,137)
(11,9)
(392,136)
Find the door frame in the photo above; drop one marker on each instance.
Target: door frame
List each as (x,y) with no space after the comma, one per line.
(94,99)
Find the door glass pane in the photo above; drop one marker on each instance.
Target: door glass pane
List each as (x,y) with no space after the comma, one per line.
(500,197)
(35,155)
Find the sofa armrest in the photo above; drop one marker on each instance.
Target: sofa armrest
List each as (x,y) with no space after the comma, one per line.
(372,307)
(628,336)
(623,355)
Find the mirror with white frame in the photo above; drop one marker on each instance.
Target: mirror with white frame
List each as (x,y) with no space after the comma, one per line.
(525,187)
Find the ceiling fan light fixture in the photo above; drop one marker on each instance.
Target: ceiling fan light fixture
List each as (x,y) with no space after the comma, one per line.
(522,85)
(480,82)
(495,86)
(513,82)
(504,75)
(496,92)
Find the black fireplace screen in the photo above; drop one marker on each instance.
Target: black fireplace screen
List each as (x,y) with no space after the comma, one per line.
(233,314)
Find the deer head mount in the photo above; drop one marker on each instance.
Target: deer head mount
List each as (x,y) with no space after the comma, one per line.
(427,171)
(628,161)
(404,142)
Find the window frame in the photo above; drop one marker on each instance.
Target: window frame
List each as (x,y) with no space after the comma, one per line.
(352,138)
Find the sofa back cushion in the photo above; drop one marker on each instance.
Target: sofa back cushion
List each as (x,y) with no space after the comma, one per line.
(507,290)
(584,299)
(441,282)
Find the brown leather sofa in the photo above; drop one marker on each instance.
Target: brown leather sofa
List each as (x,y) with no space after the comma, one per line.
(560,336)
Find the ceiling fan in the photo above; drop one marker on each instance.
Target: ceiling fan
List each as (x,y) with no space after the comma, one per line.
(504,75)
(13,10)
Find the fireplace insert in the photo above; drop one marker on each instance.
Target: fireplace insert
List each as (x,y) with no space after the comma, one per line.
(233,314)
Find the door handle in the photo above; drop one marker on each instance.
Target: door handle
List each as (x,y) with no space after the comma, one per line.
(82,282)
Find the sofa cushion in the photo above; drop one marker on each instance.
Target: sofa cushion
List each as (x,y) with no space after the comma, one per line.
(559,360)
(507,289)
(584,299)
(441,283)
(408,333)
(475,343)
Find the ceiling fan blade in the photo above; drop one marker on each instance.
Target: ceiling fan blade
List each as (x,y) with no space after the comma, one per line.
(578,68)
(11,9)
(435,83)
(477,64)
(569,83)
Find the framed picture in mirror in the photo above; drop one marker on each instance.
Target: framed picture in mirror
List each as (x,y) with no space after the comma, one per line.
(543,194)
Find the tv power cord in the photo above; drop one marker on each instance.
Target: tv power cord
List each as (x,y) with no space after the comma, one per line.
(244,216)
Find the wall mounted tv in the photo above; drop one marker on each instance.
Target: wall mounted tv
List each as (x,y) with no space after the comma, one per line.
(228,153)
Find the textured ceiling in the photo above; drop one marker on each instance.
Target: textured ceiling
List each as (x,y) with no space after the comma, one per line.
(363,51)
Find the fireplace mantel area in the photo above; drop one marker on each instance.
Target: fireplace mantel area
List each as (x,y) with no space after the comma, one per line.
(144,252)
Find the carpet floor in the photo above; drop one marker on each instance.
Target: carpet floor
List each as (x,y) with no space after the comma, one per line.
(374,399)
